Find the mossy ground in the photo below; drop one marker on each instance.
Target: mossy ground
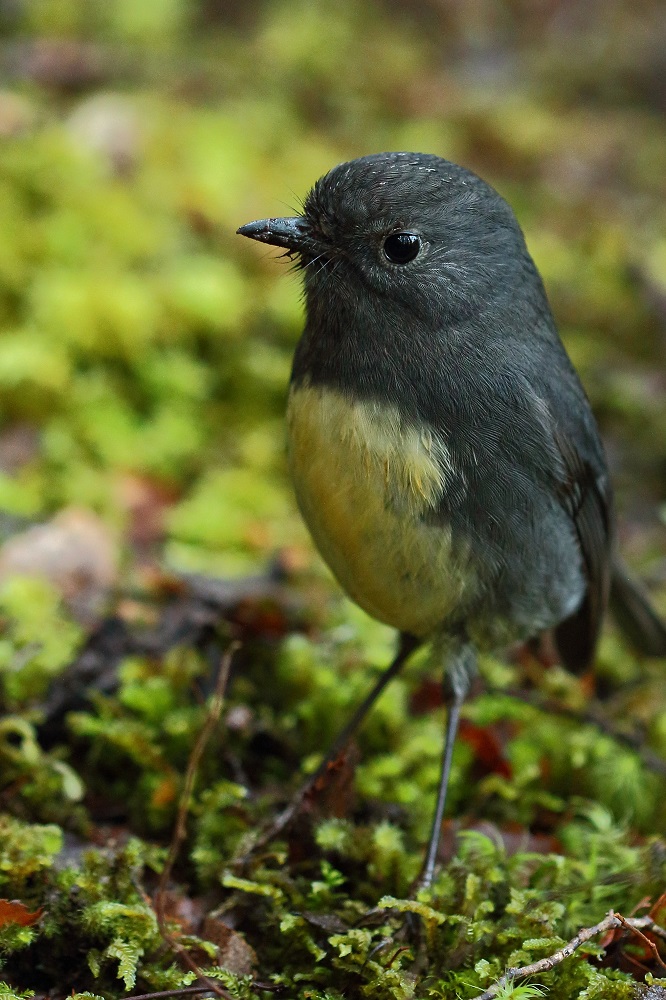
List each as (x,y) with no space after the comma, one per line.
(144,357)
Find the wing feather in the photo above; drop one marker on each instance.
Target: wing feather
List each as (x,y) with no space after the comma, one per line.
(586,495)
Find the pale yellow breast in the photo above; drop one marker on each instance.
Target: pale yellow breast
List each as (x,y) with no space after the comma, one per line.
(364,476)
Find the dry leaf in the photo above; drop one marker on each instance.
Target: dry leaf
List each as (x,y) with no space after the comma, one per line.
(234,953)
(13,911)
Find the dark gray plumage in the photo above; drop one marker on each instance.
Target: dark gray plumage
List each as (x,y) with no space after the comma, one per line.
(439,381)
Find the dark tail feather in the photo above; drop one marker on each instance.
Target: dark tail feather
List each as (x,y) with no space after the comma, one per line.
(576,639)
(634,614)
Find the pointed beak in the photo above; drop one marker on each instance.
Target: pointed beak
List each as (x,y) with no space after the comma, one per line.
(288,233)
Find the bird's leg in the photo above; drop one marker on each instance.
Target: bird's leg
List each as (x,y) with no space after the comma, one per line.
(406,647)
(457,680)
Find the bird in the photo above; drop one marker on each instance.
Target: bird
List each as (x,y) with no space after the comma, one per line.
(443,451)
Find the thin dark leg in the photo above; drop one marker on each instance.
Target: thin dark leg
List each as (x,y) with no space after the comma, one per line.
(457,682)
(406,647)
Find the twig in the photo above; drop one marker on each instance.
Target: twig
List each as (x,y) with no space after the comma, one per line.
(612,919)
(180,829)
(176,992)
(651,944)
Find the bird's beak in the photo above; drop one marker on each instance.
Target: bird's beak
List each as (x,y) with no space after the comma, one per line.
(289,233)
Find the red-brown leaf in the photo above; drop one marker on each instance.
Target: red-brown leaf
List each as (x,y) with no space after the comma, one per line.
(13,911)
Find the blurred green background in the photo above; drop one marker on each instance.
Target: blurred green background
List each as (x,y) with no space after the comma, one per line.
(145,349)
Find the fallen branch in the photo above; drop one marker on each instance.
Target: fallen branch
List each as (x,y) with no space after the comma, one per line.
(612,919)
(180,829)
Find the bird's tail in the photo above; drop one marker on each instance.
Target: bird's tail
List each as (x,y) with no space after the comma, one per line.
(631,609)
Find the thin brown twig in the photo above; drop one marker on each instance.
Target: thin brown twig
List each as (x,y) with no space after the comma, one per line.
(651,944)
(180,829)
(396,954)
(611,920)
(176,992)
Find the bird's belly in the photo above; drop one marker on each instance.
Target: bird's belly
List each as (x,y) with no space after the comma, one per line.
(365,479)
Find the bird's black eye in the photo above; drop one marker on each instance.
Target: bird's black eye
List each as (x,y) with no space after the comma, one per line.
(400,248)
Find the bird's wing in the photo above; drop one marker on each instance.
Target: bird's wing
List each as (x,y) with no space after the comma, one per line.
(586,495)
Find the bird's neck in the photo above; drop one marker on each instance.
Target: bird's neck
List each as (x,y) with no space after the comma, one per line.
(354,351)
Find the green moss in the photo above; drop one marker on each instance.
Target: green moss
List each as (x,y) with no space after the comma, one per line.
(39,638)
(25,852)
